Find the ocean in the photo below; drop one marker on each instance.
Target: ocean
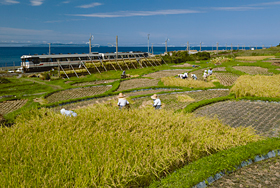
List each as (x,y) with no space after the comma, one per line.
(10,56)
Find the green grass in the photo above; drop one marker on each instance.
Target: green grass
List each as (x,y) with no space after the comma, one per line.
(223,161)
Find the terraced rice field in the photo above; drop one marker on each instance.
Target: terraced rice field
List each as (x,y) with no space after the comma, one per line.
(261,174)
(77,93)
(264,117)
(86,103)
(10,106)
(219,69)
(166,73)
(176,101)
(94,82)
(226,79)
(137,83)
(253,58)
(184,65)
(252,70)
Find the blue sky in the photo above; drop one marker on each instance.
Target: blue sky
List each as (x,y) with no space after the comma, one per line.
(246,22)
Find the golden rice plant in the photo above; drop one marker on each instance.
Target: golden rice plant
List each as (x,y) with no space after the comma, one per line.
(259,86)
(107,147)
(172,81)
(253,58)
(184,98)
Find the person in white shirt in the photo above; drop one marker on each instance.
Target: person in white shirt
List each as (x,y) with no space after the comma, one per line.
(180,76)
(210,71)
(122,102)
(157,102)
(205,75)
(194,77)
(185,75)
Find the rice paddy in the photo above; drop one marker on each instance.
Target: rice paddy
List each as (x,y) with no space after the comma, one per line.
(107,147)
(252,70)
(254,58)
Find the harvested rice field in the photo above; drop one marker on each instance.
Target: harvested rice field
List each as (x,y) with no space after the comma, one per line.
(86,103)
(253,58)
(252,70)
(137,83)
(184,65)
(219,69)
(226,79)
(261,174)
(94,82)
(180,100)
(166,73)
(77,93)
(264,117)
(10,106)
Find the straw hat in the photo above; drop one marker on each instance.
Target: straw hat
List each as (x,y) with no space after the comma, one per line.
(154,96)
(205,70)
(121,95)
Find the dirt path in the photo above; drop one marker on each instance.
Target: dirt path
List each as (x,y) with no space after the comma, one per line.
(39,82)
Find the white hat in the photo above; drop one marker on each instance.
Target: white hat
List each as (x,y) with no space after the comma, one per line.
(154,96)
(205,71)
(121,95)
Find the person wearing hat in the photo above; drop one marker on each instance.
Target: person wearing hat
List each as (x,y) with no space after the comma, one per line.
(157,102)
(205,75)
(210,71)
(194,77)
(122,102)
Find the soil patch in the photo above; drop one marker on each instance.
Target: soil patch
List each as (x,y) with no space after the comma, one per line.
(261,174)
(167,73)
(184,65)
(77,93)
(252,70)
(137,83)
(219,69)
(10,106)
(264,117)
(175,102)
(226,79)
(94,82)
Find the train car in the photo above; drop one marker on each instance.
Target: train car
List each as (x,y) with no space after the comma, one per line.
(34,63)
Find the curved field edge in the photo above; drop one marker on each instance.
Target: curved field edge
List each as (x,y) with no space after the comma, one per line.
(193,106)
(223,161)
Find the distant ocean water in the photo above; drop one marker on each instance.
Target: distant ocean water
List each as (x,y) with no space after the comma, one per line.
(10,56)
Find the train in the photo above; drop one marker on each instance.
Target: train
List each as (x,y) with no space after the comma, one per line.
(36,63)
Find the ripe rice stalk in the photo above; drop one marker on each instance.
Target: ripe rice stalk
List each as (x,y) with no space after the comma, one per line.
(107,147)
(253,58)
(172,81)
(259,86)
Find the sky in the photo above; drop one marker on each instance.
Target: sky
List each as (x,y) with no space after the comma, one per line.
(239,22)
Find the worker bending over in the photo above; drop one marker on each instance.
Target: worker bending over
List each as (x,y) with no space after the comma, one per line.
(157,102)
(122,102)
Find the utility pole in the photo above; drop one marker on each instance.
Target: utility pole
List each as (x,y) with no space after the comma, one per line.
(200,46)
(188,46)
(148,43)
(49,48)
(152,48)
(231,47)
(238,47)
(217,48)
(226,46)
(262,46)
(256,47)
(117,48)
(90,44)
(166,45)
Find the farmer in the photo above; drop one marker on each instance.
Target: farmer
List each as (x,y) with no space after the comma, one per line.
(185,75)
(210,71)
(123,74)
(122,102)
(68,113)
(180,76)
(194,77)
(205,75)
(157,102)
